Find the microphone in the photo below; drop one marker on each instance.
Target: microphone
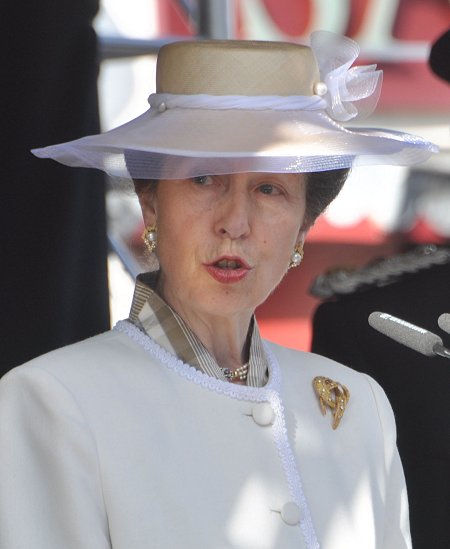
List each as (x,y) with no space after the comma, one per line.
(444,322)
(408,334)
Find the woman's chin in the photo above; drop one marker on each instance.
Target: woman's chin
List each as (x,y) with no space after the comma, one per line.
(230,300)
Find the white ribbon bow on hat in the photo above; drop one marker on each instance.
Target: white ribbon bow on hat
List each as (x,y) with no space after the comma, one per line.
(345,84)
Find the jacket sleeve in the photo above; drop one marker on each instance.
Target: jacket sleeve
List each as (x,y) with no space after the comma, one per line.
(50,488)
(396,533)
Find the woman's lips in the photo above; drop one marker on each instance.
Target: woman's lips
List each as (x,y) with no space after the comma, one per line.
(228,270)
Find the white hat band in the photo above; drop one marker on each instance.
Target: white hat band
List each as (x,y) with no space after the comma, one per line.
(163,101)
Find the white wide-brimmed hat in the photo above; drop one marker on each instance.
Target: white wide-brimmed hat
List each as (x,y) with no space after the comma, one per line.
(249,106)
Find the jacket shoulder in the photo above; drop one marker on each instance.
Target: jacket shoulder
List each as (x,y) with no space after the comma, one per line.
(311,362)
(102,349)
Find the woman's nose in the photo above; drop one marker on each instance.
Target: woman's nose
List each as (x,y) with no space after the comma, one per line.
(233,213)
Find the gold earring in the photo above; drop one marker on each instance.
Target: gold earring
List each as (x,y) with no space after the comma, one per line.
(149,237)
(297,256)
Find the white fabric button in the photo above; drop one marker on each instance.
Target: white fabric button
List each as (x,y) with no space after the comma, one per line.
(290,513)
(263,414)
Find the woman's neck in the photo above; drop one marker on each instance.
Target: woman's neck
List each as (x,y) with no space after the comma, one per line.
(225,338)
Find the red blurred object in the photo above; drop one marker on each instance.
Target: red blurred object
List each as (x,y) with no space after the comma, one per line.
(407,86)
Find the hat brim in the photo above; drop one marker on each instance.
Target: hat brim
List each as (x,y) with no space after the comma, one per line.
(182,143)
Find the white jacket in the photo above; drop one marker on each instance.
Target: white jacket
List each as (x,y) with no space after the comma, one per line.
(114,443)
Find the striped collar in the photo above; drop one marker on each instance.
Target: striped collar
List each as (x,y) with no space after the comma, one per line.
(152,315)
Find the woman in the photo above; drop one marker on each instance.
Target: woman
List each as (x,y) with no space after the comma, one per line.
(181,427)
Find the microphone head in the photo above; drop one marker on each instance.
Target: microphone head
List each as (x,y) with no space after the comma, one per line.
(444,322)
(403,332)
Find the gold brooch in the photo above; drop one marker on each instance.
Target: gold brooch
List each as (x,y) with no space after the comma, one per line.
(331,394)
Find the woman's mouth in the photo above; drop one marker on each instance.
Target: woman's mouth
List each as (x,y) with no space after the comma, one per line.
(228,264)
(228,269)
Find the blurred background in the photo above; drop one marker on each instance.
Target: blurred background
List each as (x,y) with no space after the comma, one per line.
(73,67)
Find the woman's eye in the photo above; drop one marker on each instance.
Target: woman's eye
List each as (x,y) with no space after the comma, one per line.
(268,188)
(203,180)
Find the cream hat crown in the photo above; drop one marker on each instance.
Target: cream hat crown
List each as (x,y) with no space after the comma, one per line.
(236,67)
(249,106)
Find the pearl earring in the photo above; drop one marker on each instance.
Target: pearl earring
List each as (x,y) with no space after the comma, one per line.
(296,257)
(149,237)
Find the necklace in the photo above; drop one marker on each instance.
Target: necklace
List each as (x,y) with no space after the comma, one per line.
(238,374)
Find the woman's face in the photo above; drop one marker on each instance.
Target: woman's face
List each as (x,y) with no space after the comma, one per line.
(225,241)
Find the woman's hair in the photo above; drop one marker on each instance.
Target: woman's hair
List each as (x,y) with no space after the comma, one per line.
(321,189)
(142,186)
